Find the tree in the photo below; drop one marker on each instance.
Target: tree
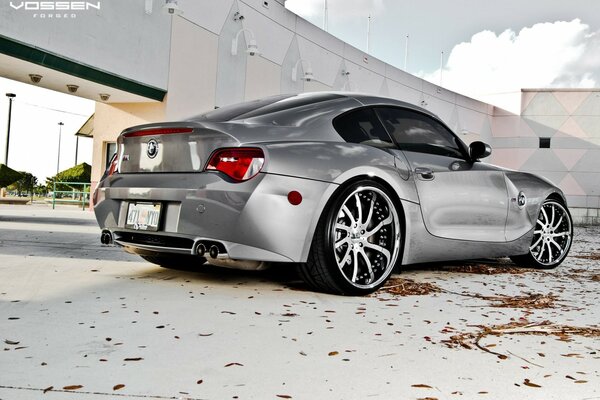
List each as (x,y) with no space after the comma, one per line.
(8,176)
(81,173)
(25,184)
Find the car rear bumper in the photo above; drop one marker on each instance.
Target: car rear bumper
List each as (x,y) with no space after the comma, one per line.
(252,220)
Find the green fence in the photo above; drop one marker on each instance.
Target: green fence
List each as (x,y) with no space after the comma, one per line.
(81,197)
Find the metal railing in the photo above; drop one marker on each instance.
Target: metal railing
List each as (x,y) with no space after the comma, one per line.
(81,197)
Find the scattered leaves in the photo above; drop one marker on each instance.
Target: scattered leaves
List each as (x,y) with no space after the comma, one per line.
(118,387)
(234,364)
(333,353)
(527,382)
(468,340)
(11,342)
(421,386)
(72,387)
(486,269)
(199,381)
(133,359)
(49,388)
(408,287)
(284,396)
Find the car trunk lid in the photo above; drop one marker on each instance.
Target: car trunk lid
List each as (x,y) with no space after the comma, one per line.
(173,147)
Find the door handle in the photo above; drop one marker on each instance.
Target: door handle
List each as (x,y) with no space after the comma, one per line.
(425,174)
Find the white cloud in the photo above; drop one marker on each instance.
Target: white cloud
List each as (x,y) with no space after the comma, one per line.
(342,9)
(559,54)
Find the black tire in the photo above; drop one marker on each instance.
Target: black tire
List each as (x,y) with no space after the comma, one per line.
(552,238)
(182,262)
(352,254)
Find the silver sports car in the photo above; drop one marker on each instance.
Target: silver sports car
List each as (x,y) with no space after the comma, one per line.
(344,186)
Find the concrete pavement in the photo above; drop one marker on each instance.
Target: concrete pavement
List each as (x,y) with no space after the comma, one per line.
(83,321)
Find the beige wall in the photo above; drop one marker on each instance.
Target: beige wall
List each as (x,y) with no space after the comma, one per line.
(193,70)
(111,119)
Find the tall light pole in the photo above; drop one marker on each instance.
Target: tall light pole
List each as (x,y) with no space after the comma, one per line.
(76,147)
(60,125)
(10,96)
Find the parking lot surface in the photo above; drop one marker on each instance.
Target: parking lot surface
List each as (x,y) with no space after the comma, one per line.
(82,321)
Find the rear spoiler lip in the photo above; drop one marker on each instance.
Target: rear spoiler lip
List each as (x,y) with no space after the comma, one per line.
(157,131)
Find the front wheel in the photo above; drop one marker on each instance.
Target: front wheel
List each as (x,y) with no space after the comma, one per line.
(356,243)
(552,237)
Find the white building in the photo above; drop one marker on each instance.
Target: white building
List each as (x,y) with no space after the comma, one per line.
(142,64)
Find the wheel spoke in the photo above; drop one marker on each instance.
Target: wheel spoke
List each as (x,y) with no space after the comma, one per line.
(555,244)
(549,253)
(554,227)
(345,240)
(359,207)
(545,215)
(342,227)
(551,223)
(369,266)
(349,214)
(380,225)
(561,234)
(371,208)
(342,261)
(355,271)
(379,249)
(535,244)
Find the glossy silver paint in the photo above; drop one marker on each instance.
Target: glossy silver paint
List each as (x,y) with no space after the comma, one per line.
(448,209)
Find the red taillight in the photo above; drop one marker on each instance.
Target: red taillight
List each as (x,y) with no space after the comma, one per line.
(112,168)
(239,164)
(158,131)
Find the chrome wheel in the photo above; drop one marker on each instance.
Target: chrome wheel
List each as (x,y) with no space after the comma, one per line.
(366,237)
(552,235)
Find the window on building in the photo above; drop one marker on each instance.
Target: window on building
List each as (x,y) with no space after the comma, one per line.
(111,149)
(545,143)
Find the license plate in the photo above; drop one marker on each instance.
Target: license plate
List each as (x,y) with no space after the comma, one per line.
(143,216)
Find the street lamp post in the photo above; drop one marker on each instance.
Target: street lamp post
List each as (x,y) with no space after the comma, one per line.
(10,96)
(60,125)
(76,147)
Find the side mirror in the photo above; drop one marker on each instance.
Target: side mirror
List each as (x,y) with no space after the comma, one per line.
(479,150)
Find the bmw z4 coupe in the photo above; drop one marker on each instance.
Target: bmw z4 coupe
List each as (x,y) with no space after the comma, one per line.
(344,186)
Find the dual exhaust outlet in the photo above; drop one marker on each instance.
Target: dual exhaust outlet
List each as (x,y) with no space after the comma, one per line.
(202,250)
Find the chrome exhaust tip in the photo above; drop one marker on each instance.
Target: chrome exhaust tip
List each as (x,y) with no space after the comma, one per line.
(106,238)
(200,249)
(214,251)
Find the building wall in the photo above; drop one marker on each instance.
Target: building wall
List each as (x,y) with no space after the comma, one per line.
(111,119)
(570,119)
(203,72)
(126,38)
(190,55)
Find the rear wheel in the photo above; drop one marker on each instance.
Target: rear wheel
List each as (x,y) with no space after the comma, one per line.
(175,261)
(356,243)
(552,238)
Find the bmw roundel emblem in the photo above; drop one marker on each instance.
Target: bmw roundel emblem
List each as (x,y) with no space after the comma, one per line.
(521,200)
(152,149)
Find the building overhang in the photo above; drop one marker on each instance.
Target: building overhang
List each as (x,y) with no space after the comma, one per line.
(19,60)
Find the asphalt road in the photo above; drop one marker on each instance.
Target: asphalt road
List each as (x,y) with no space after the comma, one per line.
(83,321)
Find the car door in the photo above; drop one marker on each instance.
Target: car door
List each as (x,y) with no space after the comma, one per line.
(459,199)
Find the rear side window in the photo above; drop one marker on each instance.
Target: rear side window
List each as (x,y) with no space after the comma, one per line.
(363,127)
(420,133)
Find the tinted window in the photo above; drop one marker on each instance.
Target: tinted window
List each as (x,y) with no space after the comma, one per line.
(420,133)
(362,126)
